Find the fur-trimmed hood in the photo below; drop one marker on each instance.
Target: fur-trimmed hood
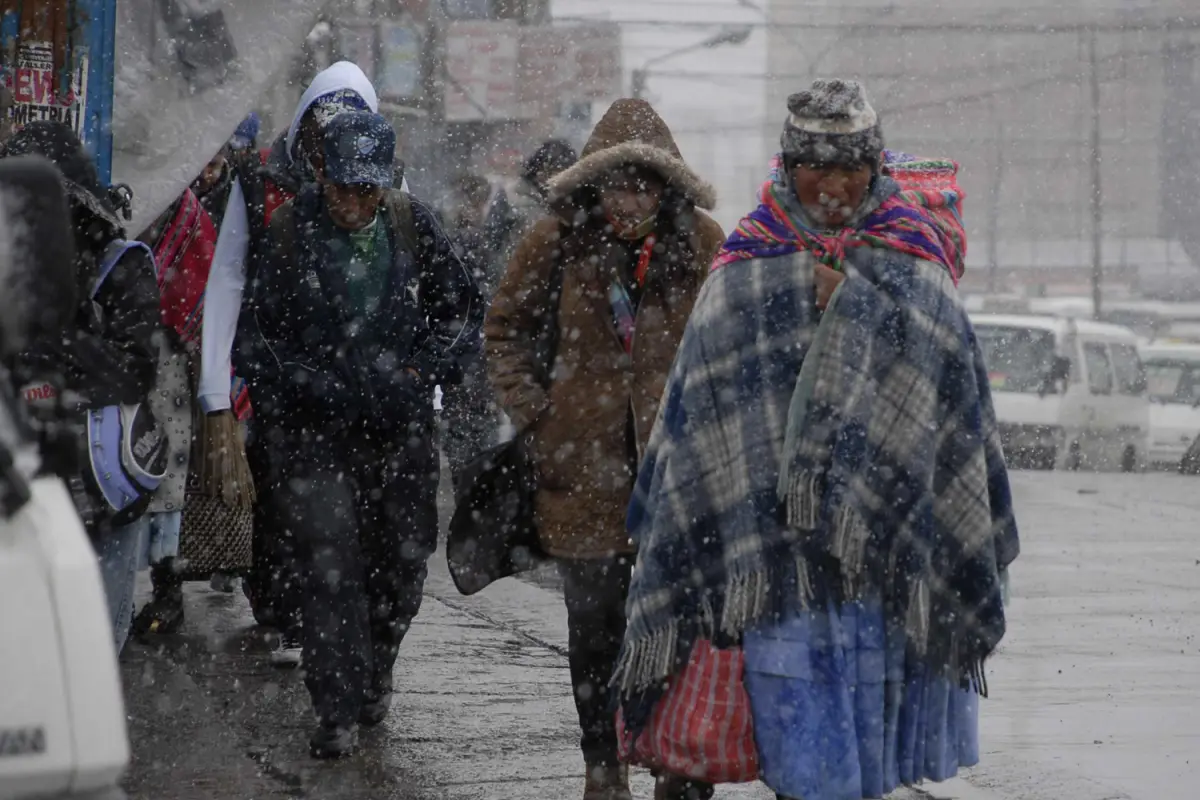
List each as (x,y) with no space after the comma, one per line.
(632,132)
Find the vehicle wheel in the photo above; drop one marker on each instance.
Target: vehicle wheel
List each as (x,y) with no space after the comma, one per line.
(1074,459)
(1129,460)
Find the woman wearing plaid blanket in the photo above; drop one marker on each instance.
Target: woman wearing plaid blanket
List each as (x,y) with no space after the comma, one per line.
(631,249)
(824,483)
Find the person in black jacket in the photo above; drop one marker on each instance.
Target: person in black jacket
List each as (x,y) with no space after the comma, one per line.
(359,309)
(110,353)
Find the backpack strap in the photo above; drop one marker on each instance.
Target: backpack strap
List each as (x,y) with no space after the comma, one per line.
(400,211)
(115,251)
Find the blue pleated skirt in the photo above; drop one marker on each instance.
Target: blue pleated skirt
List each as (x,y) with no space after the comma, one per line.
(841,714)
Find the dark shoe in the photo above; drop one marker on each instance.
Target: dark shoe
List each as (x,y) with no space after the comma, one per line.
(375,709)
(331,741)
(607,783)
(223,582)
(164,613)
(377,702)
(263,610)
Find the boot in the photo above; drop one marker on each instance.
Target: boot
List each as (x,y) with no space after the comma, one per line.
(377,703)
(331,741)
(164,613)
(607,783)
(674,787)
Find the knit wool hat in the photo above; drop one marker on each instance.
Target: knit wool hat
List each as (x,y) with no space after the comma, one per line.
(832,123)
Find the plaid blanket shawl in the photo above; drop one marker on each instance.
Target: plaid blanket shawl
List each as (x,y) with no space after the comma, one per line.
(902,445)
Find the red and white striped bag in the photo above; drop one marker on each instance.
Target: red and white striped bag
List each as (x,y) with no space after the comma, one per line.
(702,727)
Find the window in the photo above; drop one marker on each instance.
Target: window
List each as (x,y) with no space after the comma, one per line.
(1099,368)
(1017,359)
(1173,381)
(1131,377)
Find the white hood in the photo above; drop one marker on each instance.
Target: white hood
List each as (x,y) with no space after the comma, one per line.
(342,75)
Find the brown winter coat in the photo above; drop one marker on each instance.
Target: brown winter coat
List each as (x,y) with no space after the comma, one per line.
(581,425)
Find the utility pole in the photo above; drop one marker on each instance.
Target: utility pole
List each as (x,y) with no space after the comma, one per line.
(1097,191)
(638,83)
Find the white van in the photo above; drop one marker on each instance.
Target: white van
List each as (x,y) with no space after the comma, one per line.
(1173,383)
(1069,393)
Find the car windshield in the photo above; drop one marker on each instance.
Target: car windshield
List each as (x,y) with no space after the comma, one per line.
(1018,359)
(1170,381)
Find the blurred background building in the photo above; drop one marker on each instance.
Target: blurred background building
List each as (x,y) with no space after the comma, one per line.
(1076,124)
(472,86)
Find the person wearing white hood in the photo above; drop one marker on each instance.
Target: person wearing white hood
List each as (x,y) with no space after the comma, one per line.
(259,187)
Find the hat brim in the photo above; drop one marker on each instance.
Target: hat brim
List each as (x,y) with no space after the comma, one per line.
(356,173)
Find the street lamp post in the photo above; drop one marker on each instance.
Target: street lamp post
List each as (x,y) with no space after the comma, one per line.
(736,35)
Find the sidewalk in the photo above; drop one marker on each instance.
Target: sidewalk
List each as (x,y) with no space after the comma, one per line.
(483,710)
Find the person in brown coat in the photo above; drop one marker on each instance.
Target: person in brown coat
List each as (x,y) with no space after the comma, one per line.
(633,249)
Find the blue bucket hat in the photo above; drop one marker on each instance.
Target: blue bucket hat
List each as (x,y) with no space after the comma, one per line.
(360,148)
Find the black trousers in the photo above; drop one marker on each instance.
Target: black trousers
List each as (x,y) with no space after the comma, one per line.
(595,592)
(276,594)
(361,517)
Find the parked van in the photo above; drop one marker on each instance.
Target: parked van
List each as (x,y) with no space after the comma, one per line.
(1069,393)
(1173,384)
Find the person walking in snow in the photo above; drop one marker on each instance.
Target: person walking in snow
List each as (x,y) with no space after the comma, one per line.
(110,355)
(359,309)
(825,484)
(630,249)
(256,191)
(512,214)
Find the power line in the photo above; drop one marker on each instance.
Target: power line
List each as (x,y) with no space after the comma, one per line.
(899,111)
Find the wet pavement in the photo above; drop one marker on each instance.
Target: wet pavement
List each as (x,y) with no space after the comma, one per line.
(1095,695)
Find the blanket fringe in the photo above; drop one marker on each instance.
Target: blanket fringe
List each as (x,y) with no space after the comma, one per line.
(849,547)
(646,660)
(804,582)
(976,679)
(803,501)
(745,601)
(917,622)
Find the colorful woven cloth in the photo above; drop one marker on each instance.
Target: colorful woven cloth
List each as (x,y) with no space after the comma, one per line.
(922,219)
(932,183)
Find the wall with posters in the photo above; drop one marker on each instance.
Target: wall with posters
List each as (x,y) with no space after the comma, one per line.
(499,70)
(38,91)
(482,78)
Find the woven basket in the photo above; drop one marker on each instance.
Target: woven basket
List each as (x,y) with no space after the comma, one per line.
(214,537)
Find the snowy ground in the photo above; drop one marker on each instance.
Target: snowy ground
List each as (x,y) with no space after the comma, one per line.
(1095,695)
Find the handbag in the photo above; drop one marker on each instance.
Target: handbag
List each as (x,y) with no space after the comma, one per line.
(493,533)
(217,533)
(702,727)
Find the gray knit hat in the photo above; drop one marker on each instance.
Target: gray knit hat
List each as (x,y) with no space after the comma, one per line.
(832,123)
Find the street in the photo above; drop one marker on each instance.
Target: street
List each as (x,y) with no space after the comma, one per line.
(1095,694)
